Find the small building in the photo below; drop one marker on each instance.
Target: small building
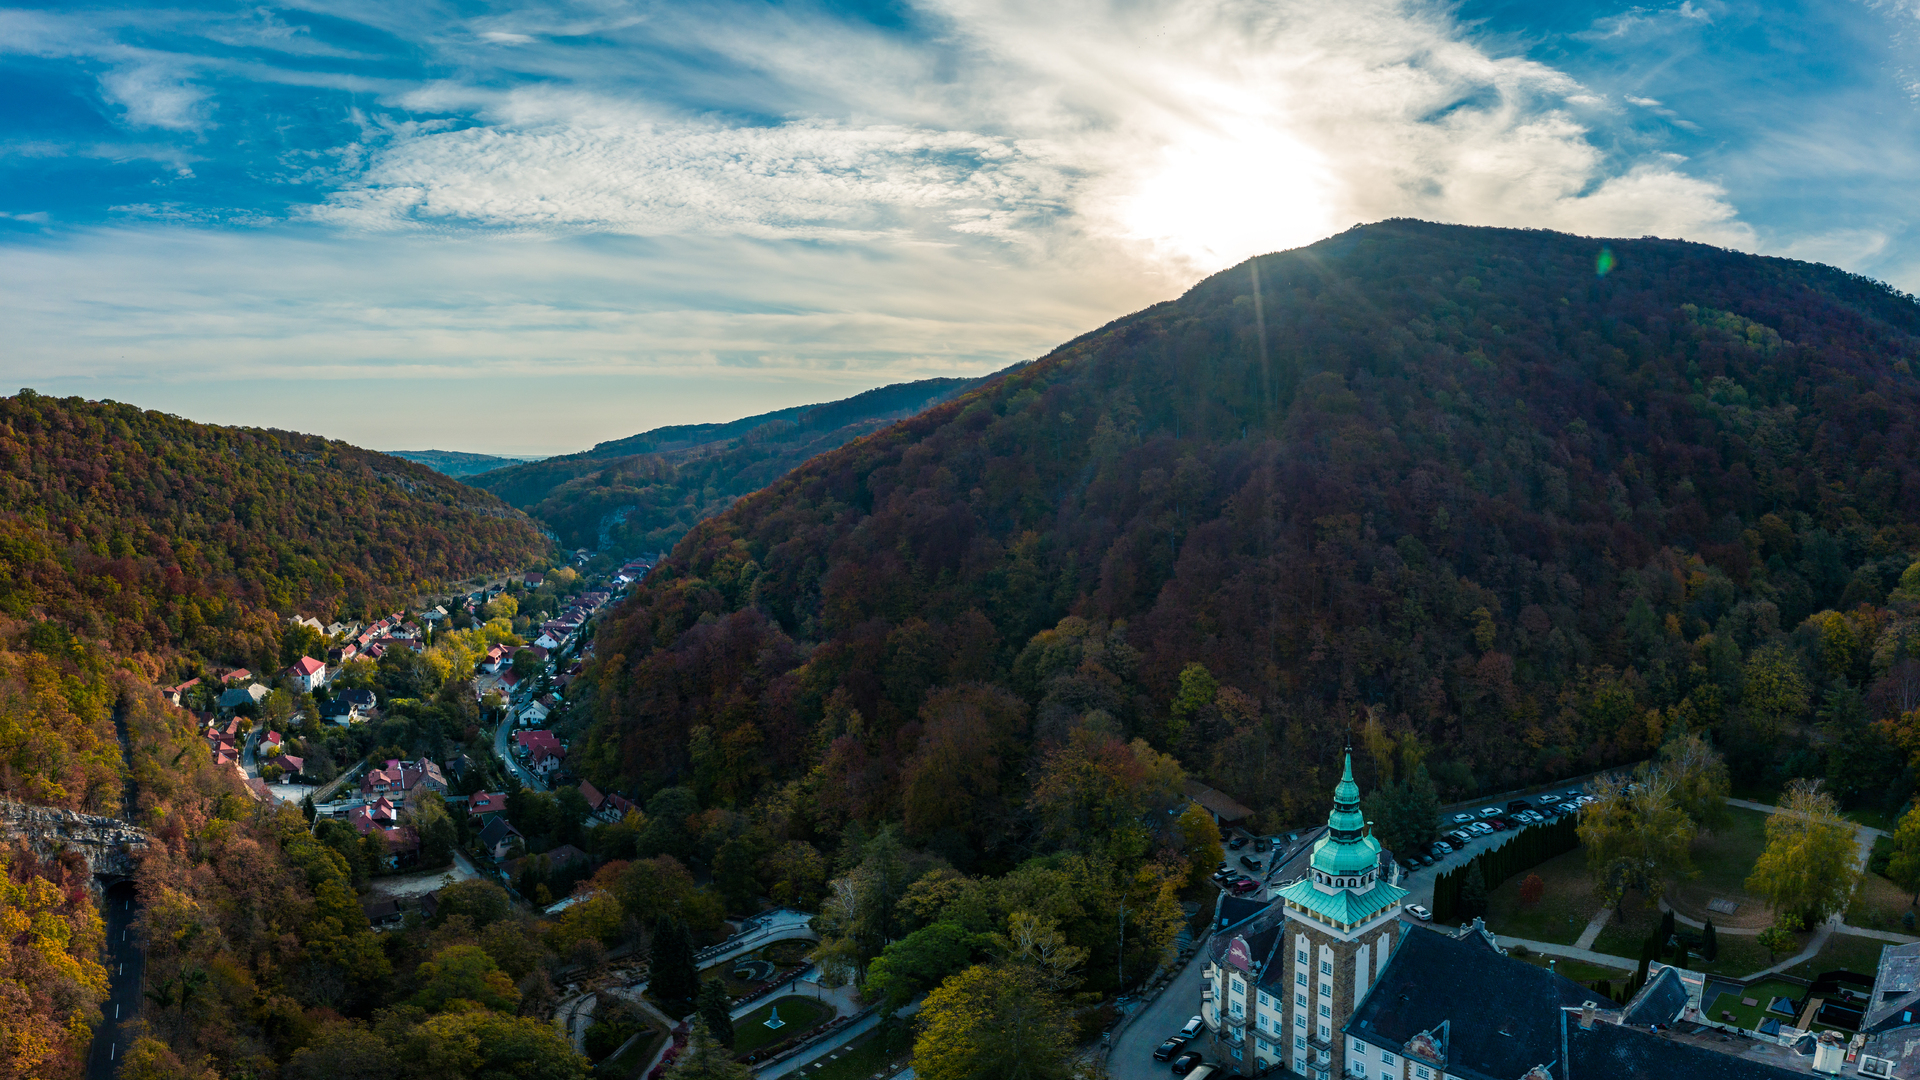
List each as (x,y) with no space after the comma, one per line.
(482,803)
(498,837)
(1225,811)
(250,694)
(175,693)
(307,674)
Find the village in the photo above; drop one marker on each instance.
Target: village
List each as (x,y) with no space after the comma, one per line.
(286,733)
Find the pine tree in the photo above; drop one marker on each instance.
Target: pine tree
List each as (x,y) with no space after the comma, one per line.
(1709,943)
(1473,891)
(716,1008)
(674,981)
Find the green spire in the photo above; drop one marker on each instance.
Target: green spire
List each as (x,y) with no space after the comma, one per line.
(1346,822)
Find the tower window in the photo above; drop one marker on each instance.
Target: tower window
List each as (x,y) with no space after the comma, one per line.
(1326,967)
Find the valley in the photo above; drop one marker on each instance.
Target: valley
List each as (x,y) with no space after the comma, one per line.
(975,678)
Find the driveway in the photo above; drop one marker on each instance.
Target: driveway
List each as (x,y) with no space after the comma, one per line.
(1132,1055)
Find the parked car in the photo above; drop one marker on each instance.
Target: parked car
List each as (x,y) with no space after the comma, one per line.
(1420,913)
(1500,824)
(1519,804)
(1462,818)
(1483,828)
(1192,1028)
(1261,844)
(1243,886)
(1442,849)
(1224,875)
(1237,843)
(1489,811)
(1186,1062)
(1250,863)
(1549,798)
(1166,1050)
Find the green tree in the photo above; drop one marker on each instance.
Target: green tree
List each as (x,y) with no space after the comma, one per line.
(674,981)
(1808,867)
(1773,691)
(993,1021)
(460,976)
(1638,839)
(1699,777)
(1778,938)
(481,901)
(482,1045)
(706,1058)
(1709,942)
(919,962)
(438,834)
(1199,842)
(1473,892)
(1904,868)
(715,1009)
(1193,699)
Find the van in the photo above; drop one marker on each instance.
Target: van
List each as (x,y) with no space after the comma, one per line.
(1201,1072)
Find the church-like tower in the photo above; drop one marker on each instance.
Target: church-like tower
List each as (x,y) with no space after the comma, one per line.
(1342,922)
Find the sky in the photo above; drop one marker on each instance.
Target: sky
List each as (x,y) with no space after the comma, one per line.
(523,227)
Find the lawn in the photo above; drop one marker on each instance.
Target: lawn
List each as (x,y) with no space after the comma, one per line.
(797,1014)
(1738,955)
(1623,934)
(634,1061)
(1878,904)
(1749,1016)
(1564,908)
(1843,952)
(865,1058)
(1724,858)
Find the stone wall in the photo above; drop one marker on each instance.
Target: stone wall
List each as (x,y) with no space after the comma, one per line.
(108,844)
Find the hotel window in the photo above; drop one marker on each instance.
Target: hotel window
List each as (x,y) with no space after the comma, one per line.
(1300,1000)
(1326,967)
(1299,1019)
(1300,977)
(1238,1010)
(1359,1048)
(1420,1071)
(1238,986)
(1303,956)
(1386,1058)
(1326,989)
(1324,1011)
(1299,1043)
(1324,1033)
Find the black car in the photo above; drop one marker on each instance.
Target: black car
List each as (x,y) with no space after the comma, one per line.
(1186,1062)
(1166,1050)
(1237,843)
(1261,844)
(1518,805)
(1250,863)
(1225,873)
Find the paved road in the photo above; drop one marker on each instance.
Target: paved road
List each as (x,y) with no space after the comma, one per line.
(500,736)
(126,966)
(1132,1054)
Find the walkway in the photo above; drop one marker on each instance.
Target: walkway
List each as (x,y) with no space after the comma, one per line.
(1594,926)
(1571,952)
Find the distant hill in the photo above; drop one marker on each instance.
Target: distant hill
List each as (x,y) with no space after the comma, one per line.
(643,492)
(457,463)
(1521,515)
(160,536)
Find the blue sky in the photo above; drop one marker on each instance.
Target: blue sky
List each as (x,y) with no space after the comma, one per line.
(525,227)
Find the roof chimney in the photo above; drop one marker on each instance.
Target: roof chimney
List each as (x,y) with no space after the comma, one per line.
(1586,1018)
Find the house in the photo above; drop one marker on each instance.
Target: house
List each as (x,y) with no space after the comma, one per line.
(382,911)
(290,765)
(383,783)
(430,904)
(1226,813)
(482,803)
(498,837)
(438,614)
(528,743)
(534,580)
(174,693)
(361,701)
(237,675)
(307,674)
(251,694)
(419,777)
(497,657)
(535,713)
(308,622)
(458,766)
(548,639)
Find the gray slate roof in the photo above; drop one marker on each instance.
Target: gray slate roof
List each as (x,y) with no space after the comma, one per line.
(1611,1052)
(1661,1001)
(1502,1014)
(1896,989)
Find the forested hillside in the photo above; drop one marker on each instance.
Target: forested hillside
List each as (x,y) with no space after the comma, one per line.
(642,493)
(455,462)
(1511,515)
(162,538)
(135,548)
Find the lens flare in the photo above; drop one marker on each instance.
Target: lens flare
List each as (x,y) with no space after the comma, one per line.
(1604,263)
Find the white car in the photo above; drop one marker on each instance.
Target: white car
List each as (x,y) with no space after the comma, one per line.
(1549,798)
(1462,818)
(1489,811)
(1481,828)
(1420,913)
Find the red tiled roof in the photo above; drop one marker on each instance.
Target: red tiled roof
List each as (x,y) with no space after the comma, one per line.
(307,665)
